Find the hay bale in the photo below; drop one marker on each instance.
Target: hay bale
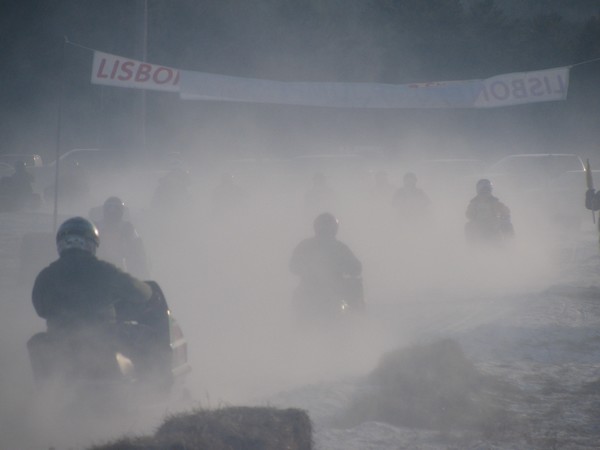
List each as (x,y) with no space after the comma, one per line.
(240,428)
(430,386)
(233,428)
(141,443)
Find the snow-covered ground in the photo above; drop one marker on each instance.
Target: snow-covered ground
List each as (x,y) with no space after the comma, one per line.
(544,343)
(537,330)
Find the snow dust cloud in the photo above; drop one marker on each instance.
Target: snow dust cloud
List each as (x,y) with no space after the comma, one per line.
(225,271)
(222,261)
(220,253)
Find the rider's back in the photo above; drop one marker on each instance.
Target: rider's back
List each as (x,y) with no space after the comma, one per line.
(317,259)
(79,289)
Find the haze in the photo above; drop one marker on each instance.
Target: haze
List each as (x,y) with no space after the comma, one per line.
(224,269)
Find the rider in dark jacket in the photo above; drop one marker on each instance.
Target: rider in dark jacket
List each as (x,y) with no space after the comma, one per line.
(84,300)
(16,191)
(327,268)
(78,289)
(121,243)
(411,202)
(488,218)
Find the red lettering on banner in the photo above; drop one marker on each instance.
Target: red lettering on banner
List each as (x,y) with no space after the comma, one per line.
(127,72)
(114,69)
(156,77)
(143,72)
(100,73)
(126,69)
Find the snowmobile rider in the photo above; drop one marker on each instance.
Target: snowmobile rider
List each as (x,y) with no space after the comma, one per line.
(22,180)
(488,218)
(172,191)
(87,300)
(122,245)
(78,289)
(411,201)
(328,270)
(17,190)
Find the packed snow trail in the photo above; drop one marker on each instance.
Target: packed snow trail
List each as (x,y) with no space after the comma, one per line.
(545,343)
(540,336)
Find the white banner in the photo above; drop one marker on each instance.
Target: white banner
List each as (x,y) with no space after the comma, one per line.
(205,86)
(118,71)
(524,87)
(501,90)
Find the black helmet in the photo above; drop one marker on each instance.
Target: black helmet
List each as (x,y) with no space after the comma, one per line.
(484,186)
(326,225)
(113,209)
(79,233)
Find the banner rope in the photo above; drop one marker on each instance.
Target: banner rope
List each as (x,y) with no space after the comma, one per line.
(75,44)
(585,62)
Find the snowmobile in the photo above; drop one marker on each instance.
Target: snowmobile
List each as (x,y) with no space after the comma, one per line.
(144,352)
(494,231)
(327,303)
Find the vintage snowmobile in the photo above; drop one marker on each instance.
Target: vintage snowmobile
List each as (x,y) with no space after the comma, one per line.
(328,303)
(494,230)
(143,354)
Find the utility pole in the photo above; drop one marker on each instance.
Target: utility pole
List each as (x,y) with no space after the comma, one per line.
(142,6)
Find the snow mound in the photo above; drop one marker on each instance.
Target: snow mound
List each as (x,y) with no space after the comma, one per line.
(431,386)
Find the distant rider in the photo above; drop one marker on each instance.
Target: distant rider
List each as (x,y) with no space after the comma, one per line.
(121,243)
(17,190)
(172,192)
(411,202)
(328,270)
(488,218)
